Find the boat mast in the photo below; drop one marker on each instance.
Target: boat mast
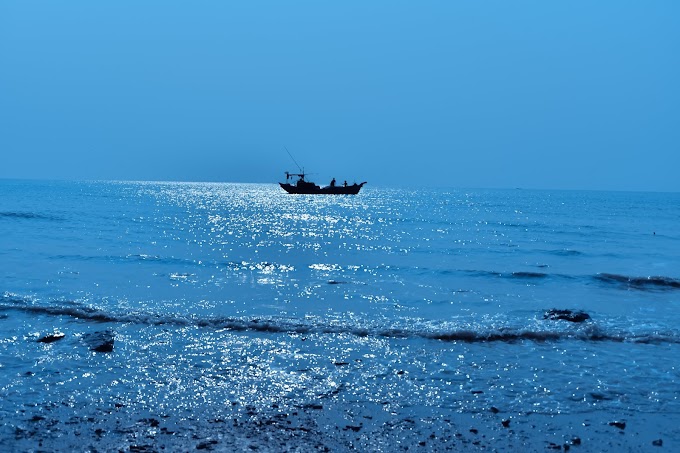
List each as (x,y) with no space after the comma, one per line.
(302,171)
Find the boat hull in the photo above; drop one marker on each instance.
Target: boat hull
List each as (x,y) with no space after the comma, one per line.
(309,189)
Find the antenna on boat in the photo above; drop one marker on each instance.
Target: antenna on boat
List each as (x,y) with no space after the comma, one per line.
(291,156)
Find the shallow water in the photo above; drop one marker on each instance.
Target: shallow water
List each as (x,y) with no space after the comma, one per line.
(227,300)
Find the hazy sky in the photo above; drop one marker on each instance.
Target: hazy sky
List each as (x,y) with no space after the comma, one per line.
(535,94)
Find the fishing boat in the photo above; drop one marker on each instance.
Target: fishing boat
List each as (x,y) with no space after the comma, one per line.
(302,186)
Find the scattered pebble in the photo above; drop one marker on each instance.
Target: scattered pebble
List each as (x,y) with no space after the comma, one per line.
(620,425)
(51,338)
(206,445)
(575,441)
(566,315)
(101,341)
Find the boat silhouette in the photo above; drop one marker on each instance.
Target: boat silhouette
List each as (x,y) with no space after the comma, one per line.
(304,187)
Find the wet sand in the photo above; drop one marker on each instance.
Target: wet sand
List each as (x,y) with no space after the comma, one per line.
(332,426)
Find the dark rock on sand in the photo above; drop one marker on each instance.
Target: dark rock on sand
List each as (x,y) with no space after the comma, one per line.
(494,410)
(566,315)
(597,396)
(506,423)
(51,338)
(620,425)
(150,421)
(657,443)
(207,445)
(314,406)
(575,441)
(100,341)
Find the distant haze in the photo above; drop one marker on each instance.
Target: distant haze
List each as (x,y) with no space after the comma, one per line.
(534,94)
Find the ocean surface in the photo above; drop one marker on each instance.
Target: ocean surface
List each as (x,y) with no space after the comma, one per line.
(229,305)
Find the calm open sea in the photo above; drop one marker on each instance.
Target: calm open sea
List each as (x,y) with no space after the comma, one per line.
(227,301)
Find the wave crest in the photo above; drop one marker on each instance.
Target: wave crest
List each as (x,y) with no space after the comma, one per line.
(27,216)
(549,332)
(642,283)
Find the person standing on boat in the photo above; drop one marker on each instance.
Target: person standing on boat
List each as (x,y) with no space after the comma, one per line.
(333,182)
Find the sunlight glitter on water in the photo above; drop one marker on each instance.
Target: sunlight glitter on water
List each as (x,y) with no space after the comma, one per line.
(229,299)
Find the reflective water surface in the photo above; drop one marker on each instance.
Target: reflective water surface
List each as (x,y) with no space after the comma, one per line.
(226,301)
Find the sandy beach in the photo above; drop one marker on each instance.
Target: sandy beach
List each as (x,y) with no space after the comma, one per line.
(329,426)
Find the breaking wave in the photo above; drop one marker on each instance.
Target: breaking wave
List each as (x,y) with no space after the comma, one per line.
(529,275)
(264,266)
(128,258)
(641,283)
(551,331)
(565,252)
(27,216)
(652,283)
(516,275)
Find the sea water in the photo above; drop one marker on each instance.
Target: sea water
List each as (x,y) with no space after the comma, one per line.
(230,304)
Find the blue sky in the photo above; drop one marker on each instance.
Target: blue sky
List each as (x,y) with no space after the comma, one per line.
(535,94)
